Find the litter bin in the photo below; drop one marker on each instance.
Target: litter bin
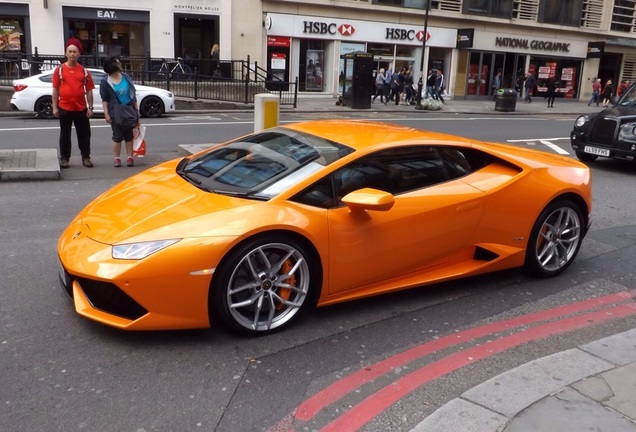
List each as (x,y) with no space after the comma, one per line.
(506,100)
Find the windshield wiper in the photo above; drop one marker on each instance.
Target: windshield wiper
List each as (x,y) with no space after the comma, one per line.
(192,180)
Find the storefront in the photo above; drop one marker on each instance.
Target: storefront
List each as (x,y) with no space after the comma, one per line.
(514,56)
(108,32)
(318,47)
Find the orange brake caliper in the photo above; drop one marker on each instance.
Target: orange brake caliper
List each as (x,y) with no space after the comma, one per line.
(285,293)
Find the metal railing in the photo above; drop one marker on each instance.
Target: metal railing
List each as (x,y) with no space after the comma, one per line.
(225,80)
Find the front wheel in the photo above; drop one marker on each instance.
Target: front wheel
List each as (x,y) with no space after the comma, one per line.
(151,106)
(44,107)
(585,157)
(555,239)
(183,73)
(264,285)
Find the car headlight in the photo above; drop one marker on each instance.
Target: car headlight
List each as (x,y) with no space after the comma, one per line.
(137,251)
(581,120)
(167,94)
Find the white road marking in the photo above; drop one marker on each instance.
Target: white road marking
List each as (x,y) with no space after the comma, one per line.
(554,147)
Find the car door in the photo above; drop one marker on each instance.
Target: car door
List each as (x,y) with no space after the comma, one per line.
(428,226)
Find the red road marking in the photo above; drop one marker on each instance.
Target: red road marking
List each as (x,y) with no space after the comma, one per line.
(309,408)
(373,405)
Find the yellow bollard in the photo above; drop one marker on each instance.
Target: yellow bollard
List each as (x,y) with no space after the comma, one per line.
(266,111)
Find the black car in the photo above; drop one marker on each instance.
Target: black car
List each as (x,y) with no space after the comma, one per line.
(610,133)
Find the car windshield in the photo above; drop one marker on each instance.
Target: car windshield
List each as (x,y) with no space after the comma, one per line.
(260,166)
(629,98)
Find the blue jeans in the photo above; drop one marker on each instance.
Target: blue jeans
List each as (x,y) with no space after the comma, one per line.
(595,98)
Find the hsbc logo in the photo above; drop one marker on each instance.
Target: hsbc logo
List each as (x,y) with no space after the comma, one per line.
(346,29)
(323,28)
(420,35)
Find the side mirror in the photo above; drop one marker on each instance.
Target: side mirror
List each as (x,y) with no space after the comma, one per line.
(369,199)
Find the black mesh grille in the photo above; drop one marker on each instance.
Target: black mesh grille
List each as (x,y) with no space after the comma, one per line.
(603,131)
(110,299)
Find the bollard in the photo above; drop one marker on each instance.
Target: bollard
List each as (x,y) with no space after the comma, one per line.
(266,111)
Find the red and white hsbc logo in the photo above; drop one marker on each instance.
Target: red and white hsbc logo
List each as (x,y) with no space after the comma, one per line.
(313,27)
(420,35)
(346,29)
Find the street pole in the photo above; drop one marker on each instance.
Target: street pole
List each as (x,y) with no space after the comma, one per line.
(420,82)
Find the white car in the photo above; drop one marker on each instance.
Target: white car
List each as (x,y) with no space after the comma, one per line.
(34,94)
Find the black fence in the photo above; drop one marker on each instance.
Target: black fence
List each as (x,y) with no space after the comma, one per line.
(221,80)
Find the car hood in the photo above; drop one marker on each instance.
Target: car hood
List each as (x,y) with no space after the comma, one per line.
(159,204)
(619,111)
(145,89)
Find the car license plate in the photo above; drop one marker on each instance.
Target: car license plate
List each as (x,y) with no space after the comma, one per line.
(596,151)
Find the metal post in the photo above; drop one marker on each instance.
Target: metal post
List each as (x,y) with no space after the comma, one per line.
(420,82)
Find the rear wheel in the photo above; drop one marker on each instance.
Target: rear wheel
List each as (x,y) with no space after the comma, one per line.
(585,157)
(151,106)
(44,107)
(555,239)
(264,285)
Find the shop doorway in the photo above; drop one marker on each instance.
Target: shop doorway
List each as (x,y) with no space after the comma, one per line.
(194,39)
(482,68)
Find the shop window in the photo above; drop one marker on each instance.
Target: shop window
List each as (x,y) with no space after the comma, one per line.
(12,36)
(494,8)
(564,12)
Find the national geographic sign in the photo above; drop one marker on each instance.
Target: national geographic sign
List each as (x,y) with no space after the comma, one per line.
(535,44)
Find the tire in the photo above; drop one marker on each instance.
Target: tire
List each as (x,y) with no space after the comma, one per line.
(184,74)
(264,285)
(151,106)
(44,107)
(555,239)
(159,73)
(585,157)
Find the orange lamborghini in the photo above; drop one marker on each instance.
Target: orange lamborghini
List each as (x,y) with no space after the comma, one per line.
(252,232)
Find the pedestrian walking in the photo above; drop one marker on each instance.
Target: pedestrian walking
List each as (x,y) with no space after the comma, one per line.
(596,92)
(72,103)
(607,93)
(388,75)
(439,86)
(496,84)
(408,88)
(379,86)
(115,89)
(551,93)
(430,83)
(530,83)
(622,88)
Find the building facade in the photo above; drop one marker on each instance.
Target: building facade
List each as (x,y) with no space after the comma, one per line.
(470,41)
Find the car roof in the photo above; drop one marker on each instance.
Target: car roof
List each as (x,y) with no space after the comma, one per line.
(361,134)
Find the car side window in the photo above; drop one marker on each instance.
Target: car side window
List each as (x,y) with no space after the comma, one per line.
(396,171)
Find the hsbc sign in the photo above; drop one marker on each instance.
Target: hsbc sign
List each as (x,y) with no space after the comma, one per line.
(322,28)
(351,30)
(394,34)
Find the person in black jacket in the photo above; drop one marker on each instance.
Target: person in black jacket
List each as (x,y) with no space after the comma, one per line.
(530,84)
(551,93)
(607,93)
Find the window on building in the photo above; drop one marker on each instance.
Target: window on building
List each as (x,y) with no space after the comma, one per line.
(493,8)
(414,4)
(564,12)
(623,16)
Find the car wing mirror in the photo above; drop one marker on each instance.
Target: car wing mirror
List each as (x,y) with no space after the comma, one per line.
(369,199)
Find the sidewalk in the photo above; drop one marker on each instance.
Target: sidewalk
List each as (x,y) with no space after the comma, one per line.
(589,388)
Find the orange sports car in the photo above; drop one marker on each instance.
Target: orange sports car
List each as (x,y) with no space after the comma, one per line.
(252,232)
